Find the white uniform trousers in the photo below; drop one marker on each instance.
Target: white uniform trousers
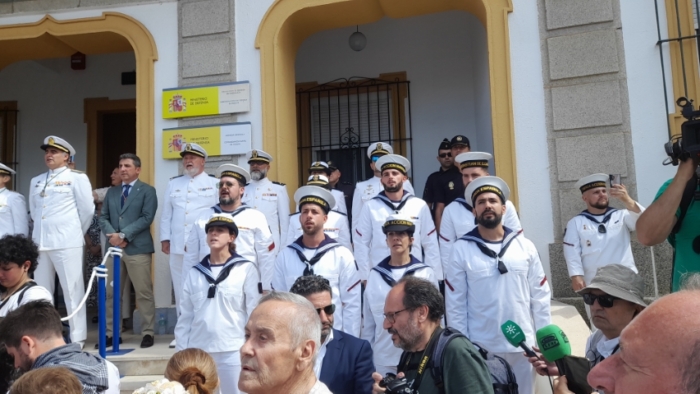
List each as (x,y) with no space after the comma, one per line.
(68,264)
(524,373)
(176,262)
(228,366)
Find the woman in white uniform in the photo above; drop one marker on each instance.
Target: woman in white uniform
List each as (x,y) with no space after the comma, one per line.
(18,260)
(399,230)
(219,294)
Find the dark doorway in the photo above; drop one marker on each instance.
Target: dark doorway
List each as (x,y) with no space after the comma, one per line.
(116,134)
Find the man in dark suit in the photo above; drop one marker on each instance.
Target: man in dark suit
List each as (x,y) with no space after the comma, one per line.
(343,362)
(127,213)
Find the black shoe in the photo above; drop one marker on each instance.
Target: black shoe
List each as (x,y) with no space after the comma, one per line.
(109,342)
(147,341)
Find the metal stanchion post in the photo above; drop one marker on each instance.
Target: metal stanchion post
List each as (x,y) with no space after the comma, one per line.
(116,298)
(102,315)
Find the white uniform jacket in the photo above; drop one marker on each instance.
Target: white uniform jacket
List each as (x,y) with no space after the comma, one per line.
(370,240)
(31,293)
(381,279)
(254,241)
(185,199)
(213,318)
(367,190)
(272,200)
(335,264)
(458,219)
(336,227)
(13,213)
(63,216)
(479,299)
(586,249)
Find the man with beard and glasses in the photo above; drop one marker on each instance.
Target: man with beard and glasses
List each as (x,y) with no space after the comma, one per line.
(254,241)
(315,253)
(32,334)
(458,218)
(600,235)
(267,196)
(369,239)
(343,362)
(494,275)
(412,315)
(399,231)
(185,198)
(336,226)
(367,190)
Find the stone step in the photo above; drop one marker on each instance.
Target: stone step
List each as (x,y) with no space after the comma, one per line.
(130,383)
(137,362)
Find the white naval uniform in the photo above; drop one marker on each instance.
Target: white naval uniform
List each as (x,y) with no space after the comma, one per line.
(29,294)
(13,213)
(458,219)
(61,219)
(272,200)
(216,324)
(338,266)
(367,190)
(185,199)
(336,227)
(370,240)
(479,299)
(586,249)
(254,240)
(386,355)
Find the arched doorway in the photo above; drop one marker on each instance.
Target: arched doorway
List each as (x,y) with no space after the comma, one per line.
(289,22)
(110,32)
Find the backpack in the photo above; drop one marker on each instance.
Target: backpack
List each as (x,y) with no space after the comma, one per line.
(502,375)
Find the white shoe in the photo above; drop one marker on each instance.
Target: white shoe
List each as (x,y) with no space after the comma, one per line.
(172,344)
(82,344)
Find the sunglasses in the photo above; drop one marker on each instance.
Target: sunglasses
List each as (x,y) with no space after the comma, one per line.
(375,158)
(225,184)
(444,155)
(604,300)
(328,309)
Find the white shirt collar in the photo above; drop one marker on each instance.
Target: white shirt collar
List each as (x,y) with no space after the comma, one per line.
(131,183)
(322,354)
(606,347)
(57,170)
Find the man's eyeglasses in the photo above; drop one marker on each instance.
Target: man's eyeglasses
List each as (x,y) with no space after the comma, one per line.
(391,316)
(604,300)
(444,155)
(328,309)
(225,184)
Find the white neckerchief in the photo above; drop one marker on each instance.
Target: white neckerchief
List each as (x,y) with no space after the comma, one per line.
(321,354)
(606,346)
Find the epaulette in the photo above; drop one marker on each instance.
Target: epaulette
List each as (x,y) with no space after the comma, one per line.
(279,183)
(78,171)
(177,176)
(344,214)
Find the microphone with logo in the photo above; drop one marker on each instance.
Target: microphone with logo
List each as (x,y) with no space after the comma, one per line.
(555,347)
(516,337)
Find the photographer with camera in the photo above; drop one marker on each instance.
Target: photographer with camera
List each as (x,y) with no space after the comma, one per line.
(413,311)
(675,212)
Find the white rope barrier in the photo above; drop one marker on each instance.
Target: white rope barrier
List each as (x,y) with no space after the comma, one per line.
(97,272)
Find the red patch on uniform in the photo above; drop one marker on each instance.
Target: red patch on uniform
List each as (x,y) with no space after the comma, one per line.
(272,246)
(543,281)
(449,285)
(431,232)
(358,233)
(566,243)
(353,286)
(444,238)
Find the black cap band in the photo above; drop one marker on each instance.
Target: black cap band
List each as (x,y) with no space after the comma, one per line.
(221,221)
(474,163)
(315,200)
(4,172)
(592,185)
(399,225)
(488,189)
(394,166)
(236,175)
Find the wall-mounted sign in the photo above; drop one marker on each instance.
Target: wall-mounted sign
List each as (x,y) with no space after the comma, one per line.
(219,140)
(226,98)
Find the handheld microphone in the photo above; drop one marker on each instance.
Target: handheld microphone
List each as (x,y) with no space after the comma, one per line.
(555,347)
(516,337)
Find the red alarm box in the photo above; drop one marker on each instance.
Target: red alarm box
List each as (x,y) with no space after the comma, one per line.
(77,61)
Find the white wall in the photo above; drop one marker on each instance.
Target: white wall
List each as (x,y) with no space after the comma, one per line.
(444,56)
(646,94)
(161,20)
(50,98)
(530,127)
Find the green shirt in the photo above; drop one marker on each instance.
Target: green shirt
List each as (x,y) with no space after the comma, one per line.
(464,370)
(685,258)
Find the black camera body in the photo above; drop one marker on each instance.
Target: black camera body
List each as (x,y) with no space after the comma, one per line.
(682,147)
(396,386)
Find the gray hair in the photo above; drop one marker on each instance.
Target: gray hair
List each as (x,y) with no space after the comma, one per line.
(304,323)
(690,281)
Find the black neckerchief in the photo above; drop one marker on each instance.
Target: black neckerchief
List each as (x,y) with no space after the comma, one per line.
(508,237)
(383,198)
(205,267)
(608,214)
(465,204)
(217,209)
(327,244)
(384,269)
